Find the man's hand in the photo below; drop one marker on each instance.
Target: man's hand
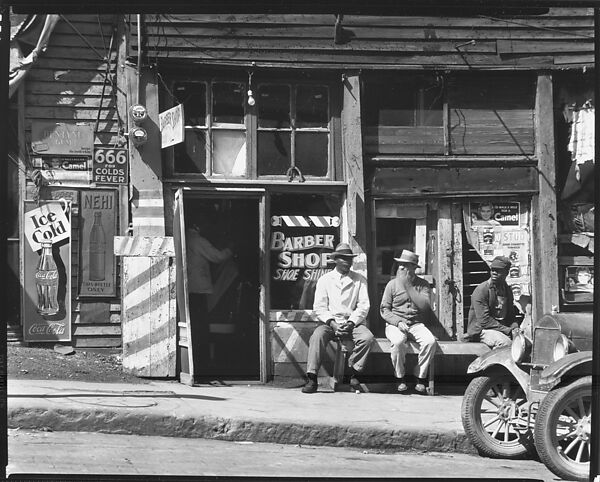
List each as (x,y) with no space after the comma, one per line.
(403,278)
(403,327)
(345,329)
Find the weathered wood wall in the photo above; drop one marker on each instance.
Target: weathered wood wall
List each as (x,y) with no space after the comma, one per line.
(66,84)
(557,39)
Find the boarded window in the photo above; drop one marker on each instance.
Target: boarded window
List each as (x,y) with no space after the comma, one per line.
(491,114)
(404,115)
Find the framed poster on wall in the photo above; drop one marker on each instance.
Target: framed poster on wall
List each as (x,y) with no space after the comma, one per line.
(97,225)
(47,272)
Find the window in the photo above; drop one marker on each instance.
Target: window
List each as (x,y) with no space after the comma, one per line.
(215,129)
(287,134)
(293,129)
(472,114)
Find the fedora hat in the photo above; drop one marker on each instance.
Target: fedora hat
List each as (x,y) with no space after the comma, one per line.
(408,257)
(343,250)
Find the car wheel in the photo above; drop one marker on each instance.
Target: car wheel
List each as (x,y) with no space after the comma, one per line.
(494,418)
(563,430)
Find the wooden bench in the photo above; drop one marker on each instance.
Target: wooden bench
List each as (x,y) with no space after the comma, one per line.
(383,345)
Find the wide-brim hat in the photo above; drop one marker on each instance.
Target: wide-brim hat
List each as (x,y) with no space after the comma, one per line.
(343,250)
(408,257)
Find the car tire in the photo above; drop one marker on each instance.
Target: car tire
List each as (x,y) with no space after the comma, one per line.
(563,430)
(487,412)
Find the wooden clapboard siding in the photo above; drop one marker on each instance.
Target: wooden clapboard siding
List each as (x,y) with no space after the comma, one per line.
(66,84)
(149,319)
(514,42)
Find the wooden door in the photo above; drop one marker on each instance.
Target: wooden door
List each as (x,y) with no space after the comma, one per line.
(184,331)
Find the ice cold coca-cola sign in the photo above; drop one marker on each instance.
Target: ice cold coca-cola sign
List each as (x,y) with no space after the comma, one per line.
(46,223)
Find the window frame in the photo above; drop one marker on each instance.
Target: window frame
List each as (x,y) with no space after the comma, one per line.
(251,128)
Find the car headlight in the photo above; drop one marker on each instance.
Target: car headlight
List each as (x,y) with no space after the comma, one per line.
(520,347)
(561,347)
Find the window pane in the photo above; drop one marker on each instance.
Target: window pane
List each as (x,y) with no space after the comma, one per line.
(229,152)
(311,106)
(228,102)
(193,98)
(190,155)
(312,153)
(274,105)
(273,152)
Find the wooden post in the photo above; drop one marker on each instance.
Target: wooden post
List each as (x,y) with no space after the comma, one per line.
(445,235)
(146,190)
(544,226)
(353,169)
(457,269)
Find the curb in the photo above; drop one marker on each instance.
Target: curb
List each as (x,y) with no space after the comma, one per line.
(115,422)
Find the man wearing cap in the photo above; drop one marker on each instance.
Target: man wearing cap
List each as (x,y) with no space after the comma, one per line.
(406,309)
(341,305)
(492,312)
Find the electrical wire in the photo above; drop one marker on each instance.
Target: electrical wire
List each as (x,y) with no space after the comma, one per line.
(525,24)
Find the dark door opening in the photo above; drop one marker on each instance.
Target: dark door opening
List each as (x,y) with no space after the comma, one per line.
(224,287)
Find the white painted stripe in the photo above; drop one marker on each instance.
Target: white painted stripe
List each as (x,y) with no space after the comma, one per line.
(155,353)
(155,203)
(134,328)
(158,221)
(288,348)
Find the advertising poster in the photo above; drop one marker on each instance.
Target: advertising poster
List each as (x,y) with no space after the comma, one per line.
(301,248)
(97,229)
(47,277)
(110,165)
(62,138)
(501,229)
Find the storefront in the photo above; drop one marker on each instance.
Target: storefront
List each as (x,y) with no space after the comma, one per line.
(376,136)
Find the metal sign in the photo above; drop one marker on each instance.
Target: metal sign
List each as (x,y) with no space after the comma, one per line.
(61,138)
(110,166)
(97,224)
(47,288)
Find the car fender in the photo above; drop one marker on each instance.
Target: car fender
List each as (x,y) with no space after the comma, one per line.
(553,373)
(500,357)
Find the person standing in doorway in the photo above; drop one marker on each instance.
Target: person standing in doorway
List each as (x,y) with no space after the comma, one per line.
(200,254)
(341,305)
(492,313)
(406,308)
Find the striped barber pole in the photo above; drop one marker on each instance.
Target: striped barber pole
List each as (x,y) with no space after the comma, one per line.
(148,213)
(149,305)
(306,221)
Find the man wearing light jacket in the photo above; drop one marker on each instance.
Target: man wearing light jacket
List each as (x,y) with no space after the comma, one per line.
(341,305)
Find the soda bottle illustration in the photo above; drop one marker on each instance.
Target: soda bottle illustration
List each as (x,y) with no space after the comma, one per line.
(46,280)
(97,250)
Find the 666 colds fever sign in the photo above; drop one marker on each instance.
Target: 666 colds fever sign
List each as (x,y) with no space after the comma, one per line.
(110,165)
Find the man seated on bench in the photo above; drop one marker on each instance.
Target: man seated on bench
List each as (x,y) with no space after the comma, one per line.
(406,308)
(341,305)
(492,313)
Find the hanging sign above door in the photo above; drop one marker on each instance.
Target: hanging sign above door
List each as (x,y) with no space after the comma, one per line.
(172,130)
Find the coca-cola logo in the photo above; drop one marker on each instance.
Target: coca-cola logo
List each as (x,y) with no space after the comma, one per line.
(46,275)
(47,329)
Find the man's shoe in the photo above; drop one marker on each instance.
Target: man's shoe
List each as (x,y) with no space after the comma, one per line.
(310,387)
(420,386)
(402,387)
(355,385)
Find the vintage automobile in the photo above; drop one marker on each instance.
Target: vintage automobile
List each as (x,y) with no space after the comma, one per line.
(536,395)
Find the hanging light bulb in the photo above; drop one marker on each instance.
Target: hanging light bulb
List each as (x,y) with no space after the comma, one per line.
(251,100)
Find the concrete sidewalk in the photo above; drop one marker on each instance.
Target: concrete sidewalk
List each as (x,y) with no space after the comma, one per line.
(242,412)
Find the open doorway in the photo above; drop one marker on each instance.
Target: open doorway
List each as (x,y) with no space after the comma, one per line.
(223,262)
